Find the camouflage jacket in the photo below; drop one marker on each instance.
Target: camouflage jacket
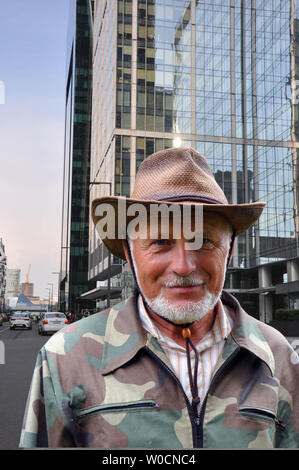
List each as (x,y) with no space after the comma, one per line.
(104,382)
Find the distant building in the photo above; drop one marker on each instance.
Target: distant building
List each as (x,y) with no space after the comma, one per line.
(23,299)
(29,286)
(2,275)
(13,282)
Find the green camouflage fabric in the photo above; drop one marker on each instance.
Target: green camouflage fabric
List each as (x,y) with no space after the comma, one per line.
(104,382)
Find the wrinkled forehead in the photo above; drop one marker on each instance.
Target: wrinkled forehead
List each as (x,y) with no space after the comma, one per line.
(173,224)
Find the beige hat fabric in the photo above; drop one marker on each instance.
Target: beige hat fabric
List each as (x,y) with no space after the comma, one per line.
(180,176)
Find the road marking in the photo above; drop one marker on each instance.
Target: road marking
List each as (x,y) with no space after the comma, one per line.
(2,331)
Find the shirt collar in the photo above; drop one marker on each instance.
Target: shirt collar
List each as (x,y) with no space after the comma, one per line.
(219,332)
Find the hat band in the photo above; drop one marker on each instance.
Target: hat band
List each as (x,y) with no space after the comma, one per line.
(204,199)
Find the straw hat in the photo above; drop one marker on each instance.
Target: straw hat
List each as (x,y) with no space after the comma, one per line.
(179,176)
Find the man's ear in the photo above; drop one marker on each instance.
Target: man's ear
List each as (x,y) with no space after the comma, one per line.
(126,250)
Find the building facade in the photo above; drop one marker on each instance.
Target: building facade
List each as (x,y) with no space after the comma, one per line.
(27,288)
(3,269)
(75,210)
(222,77)
(13,282)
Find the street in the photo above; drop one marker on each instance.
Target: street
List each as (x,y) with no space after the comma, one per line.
(20,348)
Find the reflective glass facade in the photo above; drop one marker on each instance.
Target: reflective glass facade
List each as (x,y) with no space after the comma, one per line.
(3,270)
(75,209)
(219,75)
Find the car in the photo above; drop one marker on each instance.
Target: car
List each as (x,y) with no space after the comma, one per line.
(20,320)
(51,322)
(6,316)
(1,319)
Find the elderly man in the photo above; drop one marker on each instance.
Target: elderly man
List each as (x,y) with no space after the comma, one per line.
(179,364)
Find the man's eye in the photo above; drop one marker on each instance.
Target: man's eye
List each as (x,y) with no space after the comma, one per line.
(161,242)
(206,242)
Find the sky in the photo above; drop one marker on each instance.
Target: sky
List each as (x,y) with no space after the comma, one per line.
(33,37)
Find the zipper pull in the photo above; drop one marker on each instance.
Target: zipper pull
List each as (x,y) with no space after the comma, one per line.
(197,421)
(195,403)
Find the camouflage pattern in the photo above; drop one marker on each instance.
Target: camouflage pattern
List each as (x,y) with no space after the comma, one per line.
(104,382)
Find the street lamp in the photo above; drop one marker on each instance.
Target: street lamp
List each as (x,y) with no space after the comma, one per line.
(49,289)
(58,282)
(91,183)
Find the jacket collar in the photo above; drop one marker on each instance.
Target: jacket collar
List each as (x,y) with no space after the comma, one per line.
(247,332)
(125,336)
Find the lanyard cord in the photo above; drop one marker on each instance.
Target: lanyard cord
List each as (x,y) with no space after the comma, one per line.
(186,333)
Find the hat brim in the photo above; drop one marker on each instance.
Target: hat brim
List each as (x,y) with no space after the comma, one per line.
(240,216)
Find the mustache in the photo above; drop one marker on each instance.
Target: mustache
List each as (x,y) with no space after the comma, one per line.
(183,281)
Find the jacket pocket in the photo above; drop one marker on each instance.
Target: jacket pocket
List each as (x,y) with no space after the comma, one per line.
(264,414)
(143,405)
(261,413)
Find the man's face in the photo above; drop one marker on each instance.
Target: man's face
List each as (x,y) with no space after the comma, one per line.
(178,283)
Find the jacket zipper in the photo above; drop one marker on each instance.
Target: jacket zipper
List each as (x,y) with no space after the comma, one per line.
(121,408)
(196,421)
(263,414)
(203,407)
(257,413)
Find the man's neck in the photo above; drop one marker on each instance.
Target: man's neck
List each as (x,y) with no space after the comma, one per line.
(198,329)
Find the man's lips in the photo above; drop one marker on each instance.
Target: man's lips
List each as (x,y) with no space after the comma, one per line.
(179,288)
(184,289)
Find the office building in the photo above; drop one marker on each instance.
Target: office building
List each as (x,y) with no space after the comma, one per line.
(13,282)
(2,275)
(27,288)
(75,210)
(222,77)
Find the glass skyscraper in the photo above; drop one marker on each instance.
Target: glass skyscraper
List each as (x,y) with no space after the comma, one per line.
(221,76)
(75,208)
(3,273)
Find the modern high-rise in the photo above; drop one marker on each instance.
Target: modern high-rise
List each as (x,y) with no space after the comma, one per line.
(220,76)
(13,282)
(2,275)
(75,210)
(27,288)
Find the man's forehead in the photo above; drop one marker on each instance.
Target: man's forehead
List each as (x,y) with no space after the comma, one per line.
(170,227)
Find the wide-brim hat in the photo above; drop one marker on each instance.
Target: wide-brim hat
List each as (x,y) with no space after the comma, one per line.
(176,176)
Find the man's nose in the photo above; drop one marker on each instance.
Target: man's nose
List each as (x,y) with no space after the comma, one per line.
(183,262)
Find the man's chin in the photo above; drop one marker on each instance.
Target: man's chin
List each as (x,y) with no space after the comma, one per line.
(183,312)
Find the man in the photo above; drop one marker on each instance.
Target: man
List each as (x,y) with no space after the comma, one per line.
(179,364)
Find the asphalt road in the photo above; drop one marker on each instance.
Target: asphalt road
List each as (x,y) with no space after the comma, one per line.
(20,348)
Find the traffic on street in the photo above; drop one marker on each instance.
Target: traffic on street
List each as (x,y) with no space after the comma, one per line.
(18,351)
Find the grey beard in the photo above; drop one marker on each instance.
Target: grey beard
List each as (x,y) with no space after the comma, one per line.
(187,313)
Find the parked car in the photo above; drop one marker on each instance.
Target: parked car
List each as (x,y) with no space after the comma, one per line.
(51,322)
(1,319)
(6,316)
(20,320)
